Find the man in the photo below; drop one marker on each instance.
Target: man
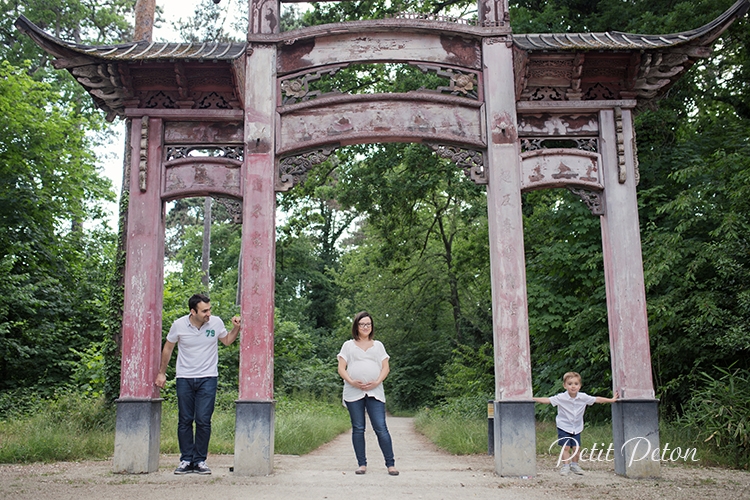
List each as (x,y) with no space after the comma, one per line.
(197,374)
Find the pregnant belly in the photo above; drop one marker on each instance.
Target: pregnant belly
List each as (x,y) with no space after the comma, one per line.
(365,371)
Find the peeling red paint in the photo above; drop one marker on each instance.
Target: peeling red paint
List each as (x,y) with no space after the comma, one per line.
(537,175)
(462,51)
(340,126)
(503,129)
(564,172)
(292,57)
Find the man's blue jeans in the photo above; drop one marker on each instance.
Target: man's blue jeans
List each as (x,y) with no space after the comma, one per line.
(195,403)
(376,411)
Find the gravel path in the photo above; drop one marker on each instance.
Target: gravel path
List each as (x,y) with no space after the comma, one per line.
(328,473)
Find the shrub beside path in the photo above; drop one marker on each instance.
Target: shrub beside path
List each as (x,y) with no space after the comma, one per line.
(328,473)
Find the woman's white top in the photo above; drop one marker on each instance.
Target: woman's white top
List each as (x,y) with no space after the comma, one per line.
(365,366)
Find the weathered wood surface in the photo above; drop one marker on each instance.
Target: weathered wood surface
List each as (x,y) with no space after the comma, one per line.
(412,117)
(553,168)
(561,125)
(141,319)
(203,132)
(507,262)
(389,47)
(202,177)
(258,258)
(623,267)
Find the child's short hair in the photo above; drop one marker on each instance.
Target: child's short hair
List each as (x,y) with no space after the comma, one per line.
(572,375)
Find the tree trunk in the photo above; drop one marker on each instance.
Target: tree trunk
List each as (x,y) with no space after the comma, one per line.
(206,255)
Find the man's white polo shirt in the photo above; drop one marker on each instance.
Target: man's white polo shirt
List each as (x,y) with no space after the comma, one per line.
(197,349)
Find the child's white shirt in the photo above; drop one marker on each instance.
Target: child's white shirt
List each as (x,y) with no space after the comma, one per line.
(570,410)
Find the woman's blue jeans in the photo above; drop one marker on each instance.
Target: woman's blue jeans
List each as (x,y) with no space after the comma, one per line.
(376,410)
(195,403)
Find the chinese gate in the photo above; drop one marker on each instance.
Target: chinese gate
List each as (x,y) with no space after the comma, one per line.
(509,97)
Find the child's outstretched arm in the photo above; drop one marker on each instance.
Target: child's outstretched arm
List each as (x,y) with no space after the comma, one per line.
(541,400)
(600,399)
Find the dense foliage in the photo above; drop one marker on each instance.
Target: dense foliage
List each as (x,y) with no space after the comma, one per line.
(54,248)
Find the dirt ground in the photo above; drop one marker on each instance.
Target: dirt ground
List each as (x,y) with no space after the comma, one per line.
(328,473)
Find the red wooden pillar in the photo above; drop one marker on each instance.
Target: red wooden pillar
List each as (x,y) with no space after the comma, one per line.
(635,417)
(139,407)
(515,437)
(254,428)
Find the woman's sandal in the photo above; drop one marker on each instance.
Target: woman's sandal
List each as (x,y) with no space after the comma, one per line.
(392,471)
(361,470)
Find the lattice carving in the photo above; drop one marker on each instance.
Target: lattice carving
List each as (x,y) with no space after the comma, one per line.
(303,88)
(470,160)
(599,92)
(143,164)
(463,84)
(559,69)
(433,17)
(233,206)
(584,144)
(160,100)
(592,199)
(184,151)
(293,169)
(547,94)
(213,100)
(298,89)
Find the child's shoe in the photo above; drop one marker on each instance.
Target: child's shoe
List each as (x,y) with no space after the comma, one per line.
(565,470)
(576,469)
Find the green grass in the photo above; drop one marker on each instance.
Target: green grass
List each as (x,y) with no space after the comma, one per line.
(72,427)
(456,434)
(67,428)
(303,425)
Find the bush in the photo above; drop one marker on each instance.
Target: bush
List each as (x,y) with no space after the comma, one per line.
(720,413)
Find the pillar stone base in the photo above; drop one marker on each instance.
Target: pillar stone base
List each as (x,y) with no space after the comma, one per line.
(137,436)
(515,438)
(635,432)
(253,438)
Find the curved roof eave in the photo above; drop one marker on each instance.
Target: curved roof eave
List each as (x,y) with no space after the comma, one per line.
(616,40)
(134,51)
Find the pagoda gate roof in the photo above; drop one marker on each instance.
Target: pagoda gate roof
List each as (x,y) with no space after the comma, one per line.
(571,66)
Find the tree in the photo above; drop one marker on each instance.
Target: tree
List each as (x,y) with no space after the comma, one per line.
(52,264)
(56,248)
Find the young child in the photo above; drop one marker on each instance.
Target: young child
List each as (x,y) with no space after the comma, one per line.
(570,407)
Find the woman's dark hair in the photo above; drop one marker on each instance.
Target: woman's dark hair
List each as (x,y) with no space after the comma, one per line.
(355,326)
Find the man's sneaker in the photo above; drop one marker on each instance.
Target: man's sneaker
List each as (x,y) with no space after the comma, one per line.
(576,469)
(565,470)
(184,468)
(201,468)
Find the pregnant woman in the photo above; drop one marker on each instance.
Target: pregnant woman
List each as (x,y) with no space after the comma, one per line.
(363,364)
